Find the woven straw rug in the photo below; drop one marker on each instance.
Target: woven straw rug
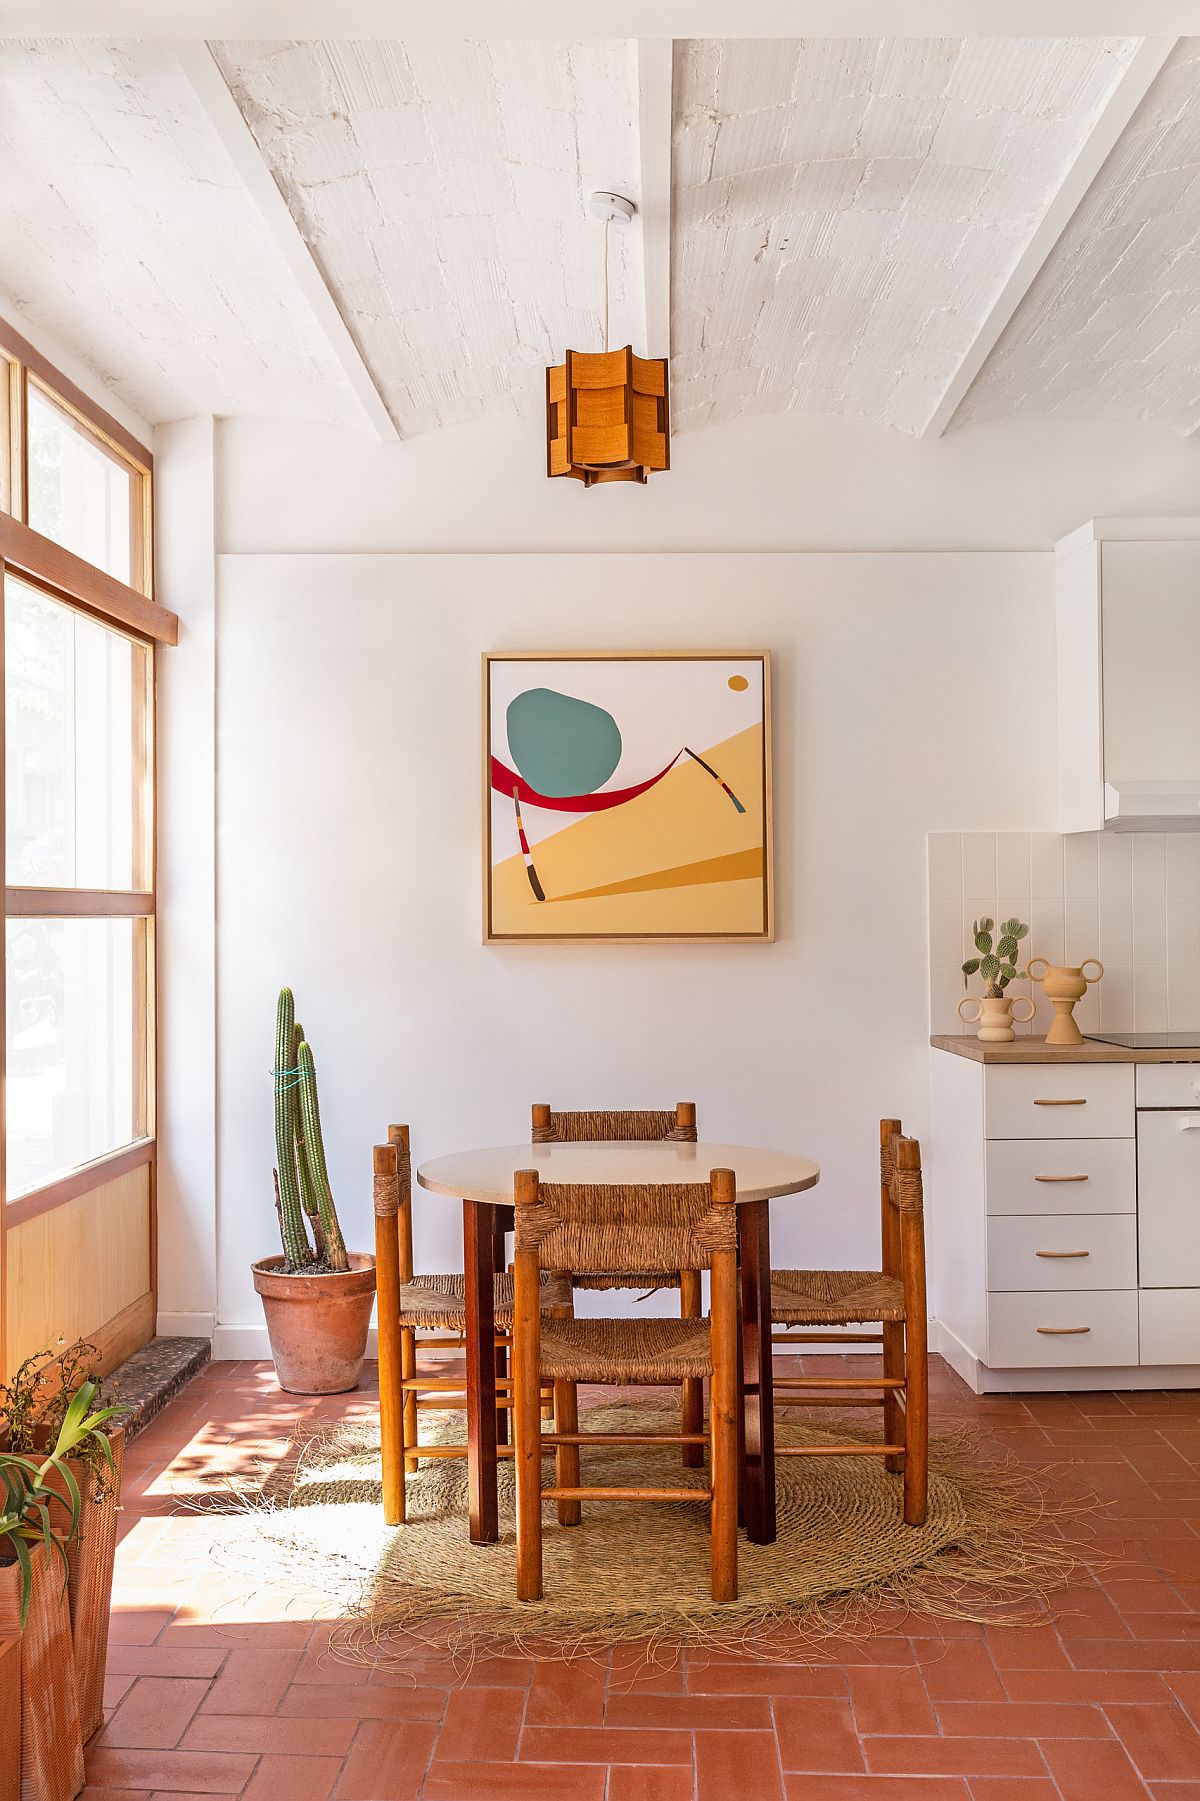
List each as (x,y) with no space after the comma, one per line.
(992,1546)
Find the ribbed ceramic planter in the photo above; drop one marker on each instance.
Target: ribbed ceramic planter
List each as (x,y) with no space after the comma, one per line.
(317,1325)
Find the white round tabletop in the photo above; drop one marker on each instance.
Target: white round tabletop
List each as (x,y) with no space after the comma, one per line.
(488,1175)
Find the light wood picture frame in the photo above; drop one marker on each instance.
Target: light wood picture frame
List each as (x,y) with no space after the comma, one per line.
(627,797)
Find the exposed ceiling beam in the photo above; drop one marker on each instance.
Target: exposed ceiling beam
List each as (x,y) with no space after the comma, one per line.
(200,67)
(1124,100)
(655,116)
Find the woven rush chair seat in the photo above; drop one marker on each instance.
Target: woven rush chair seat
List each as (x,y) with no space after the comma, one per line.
(599,1281)
(834,1297)
(439,1303)
(626,1350)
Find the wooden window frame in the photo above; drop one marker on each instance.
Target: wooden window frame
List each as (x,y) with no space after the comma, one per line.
(131,610)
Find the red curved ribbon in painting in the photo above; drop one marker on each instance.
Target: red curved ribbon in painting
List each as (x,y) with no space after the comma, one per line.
(508,782)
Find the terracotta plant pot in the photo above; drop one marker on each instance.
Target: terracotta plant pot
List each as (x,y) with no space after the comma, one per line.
(51,1746)
(317,1324)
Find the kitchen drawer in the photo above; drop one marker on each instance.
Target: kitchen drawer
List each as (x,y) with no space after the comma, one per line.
(1168,1154)
(1061,1175)
(1057,1330)
(1168,1084)
(1170,1325)
(1072,1250)
(1059,1100)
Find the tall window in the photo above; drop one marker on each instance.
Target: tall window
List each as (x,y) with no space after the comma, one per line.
(80,628)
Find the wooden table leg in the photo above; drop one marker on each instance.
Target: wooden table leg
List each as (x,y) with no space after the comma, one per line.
(754,1258)
(500,1226)
(479,1262)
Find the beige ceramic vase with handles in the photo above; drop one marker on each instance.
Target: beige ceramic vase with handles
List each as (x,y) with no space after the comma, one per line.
(995,1016)
(1064,984)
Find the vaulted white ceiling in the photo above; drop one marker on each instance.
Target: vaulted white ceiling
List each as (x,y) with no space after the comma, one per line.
(904,230)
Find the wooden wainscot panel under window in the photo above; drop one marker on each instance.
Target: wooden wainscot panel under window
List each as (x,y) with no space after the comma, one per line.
(82,1270)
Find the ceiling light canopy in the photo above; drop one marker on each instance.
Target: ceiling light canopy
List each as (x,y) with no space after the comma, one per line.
(607,412)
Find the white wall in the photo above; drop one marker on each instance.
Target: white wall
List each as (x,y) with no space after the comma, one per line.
(349,800)
(776,483)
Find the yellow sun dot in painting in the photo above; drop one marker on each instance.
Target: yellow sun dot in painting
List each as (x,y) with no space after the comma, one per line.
(738,683)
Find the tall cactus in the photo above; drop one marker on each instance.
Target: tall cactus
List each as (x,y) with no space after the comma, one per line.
(308,1189)
(314,1156)
(291,1212)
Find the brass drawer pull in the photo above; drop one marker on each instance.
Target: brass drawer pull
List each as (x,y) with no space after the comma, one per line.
(1080,1101)
(1062,1178)
(1062,1331)
(1062,1253)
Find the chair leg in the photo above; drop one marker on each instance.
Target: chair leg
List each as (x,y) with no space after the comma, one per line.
(408,1369)
(566,1457)
(893,1413)
(692,1391)
(916,1423)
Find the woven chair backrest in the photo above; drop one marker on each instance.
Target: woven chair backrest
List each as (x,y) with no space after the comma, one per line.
(610,1125)
(619,1227)
(904,1186)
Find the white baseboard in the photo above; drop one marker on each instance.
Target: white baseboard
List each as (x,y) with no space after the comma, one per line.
(185,1325)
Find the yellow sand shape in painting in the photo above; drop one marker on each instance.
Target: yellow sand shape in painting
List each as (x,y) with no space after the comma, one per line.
(683,821)
(739,865)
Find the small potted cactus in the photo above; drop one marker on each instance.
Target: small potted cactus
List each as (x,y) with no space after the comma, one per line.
(997,964)
(317,1296)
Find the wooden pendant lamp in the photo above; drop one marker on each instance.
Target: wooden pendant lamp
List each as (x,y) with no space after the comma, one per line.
(607,412)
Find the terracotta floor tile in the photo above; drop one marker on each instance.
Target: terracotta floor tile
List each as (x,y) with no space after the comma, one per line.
(252,1681)
(1091,1687)
(745,1764)
(387,1761)
(1012,1788)
(1093,1770)
(720,1712)
(537,1782)
(257,1732)
(876,1788)
(482,1725)
(1175,1791)
(626,1782)
(887,1701)
(1015,1719)
(603,1744)
(199,1772)
(294,1779)
(955,1672)
(1162,1741)
(564,1694)
(816,1735)
(767,1679)
(1026,1648)
(162,1660)
(136,1627)
(1186,1690)
(114,1794)
(953,1757)
(311,1700)
(155,1713)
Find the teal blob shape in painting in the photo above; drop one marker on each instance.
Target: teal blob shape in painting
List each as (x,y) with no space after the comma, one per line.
(561,745)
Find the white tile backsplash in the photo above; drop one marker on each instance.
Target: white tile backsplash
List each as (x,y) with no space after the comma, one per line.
(1132,899)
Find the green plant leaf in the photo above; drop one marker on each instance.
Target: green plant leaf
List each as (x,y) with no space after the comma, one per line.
(983,941)
(1007,947)
(969,968)
(26,1566)
(1021,931)
(989,968)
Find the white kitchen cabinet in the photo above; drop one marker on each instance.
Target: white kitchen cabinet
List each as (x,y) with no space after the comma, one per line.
(1168,1158)
(1063,1231)
(1128,648)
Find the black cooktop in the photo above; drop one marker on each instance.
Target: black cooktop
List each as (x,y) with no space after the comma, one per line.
(1149,1041)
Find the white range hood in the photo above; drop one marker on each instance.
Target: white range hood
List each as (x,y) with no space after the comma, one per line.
(1152,806)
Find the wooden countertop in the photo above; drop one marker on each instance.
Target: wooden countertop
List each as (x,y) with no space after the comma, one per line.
(1036,1050)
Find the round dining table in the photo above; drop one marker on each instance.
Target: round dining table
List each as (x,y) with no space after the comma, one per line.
(484,1180)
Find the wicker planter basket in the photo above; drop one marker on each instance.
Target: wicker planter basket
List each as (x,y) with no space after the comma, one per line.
(89,1585)
(10,1719)
(51,1746)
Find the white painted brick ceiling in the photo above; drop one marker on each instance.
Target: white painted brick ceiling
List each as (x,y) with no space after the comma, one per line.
(1111,326)
(442,188)
(845,211)
(128,236)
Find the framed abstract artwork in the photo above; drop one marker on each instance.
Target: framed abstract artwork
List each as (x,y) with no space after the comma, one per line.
(627,796)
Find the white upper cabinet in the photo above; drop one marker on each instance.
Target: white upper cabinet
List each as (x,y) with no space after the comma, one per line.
(1128,648)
